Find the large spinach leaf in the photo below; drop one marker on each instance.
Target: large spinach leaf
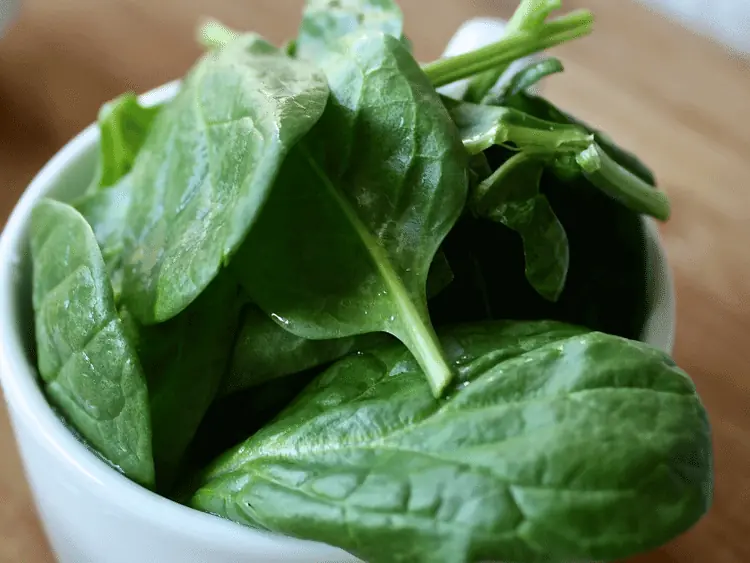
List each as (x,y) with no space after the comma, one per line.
(185,360)
(326,22)
(89,365)
(555,444)
(205,170)
(346,239)
(123,126)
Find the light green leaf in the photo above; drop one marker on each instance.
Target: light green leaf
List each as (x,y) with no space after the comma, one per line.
(207,167)
(89,365)
(326,22)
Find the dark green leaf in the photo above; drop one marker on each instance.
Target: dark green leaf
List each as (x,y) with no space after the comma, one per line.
(605,288)
(206,170)
(511,197)
(266,351)
(484,126)
(185,360)
(124,125)
(555,445)
(89,366)
(326,22)
(385,178)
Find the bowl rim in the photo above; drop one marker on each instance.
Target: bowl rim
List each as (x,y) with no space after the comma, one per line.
(27,403)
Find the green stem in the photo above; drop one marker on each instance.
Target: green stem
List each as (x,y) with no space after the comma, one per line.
(529,15)
(620,184)
(513,46)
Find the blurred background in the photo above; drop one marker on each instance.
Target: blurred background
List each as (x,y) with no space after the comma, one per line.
(669,79)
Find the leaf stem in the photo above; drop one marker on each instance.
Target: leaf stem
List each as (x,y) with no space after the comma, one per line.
(620,184)
(511,47)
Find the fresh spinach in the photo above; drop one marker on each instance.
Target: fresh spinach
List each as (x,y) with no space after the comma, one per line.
(266,351)
(106,212)
(511,196)
(385,178)
(123,126)
(89,366)
(326,22)
(605,287)
(252,243)
(185,361)
(206,168)
(547,428)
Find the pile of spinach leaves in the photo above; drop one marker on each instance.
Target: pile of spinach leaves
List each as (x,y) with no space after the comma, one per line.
(315,296)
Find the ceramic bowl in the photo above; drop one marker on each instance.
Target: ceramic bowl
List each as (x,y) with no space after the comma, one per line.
(91,513)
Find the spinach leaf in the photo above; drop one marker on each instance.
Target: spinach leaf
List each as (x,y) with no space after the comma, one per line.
(326,22)
(207,167)
(123,125)
(89,366)
(511,197)
(385,178)
(556,444)
(106,211)
(605,288)
(185,360)
(266,351)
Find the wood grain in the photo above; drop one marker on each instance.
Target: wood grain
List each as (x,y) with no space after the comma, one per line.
(681,101)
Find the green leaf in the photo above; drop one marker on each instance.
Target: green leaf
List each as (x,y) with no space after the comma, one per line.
(326,22)
(385,178)
(482,127)
(206,170)
(266,351)
(606,285)
(511,197)
(185,360)
(555,445)
(106,212)
(124,125)
(89,366)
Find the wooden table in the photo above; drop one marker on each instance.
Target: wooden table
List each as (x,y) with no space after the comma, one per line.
(681,101)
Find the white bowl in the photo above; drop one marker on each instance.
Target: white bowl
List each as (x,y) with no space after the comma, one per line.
(90,512)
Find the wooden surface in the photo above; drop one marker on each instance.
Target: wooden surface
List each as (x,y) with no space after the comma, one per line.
(681,102)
